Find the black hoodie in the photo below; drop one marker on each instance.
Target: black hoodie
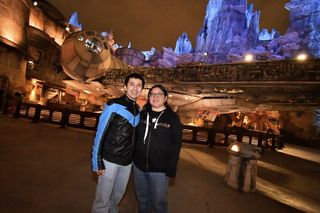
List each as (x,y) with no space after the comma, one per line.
(157,147)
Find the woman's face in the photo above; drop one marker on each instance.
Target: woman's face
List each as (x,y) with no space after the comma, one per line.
(157,98)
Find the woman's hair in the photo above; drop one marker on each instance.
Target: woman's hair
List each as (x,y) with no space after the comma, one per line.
(147,106)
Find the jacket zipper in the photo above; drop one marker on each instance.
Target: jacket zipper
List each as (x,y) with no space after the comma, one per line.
(148,144)
(134,129)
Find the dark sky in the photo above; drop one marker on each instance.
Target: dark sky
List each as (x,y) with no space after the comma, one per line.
(158,23)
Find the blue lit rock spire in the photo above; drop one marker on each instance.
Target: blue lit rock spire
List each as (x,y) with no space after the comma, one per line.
(204,35)
(183,44)
(264,35)
(305,20)
(74,21)
(231,30)
(228,24)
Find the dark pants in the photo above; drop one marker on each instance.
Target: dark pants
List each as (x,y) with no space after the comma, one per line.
(152,191)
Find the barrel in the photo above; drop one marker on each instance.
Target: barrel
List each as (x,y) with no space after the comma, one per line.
(241,173)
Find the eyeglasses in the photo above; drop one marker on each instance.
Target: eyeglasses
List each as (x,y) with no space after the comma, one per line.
(160,94)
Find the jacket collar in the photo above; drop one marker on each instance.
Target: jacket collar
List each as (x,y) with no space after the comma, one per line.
(128,99)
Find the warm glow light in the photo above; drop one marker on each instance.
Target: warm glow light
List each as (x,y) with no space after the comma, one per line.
(8,32)
(248,57)
(67,29)
(302,57)
(30,64)
(170,95)
(12,31)
(35,3)
(87,91)
(32,96)
(34,81)
(235,148)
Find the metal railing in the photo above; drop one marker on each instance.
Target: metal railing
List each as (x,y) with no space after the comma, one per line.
(205,135)
(61,116)
(191,134)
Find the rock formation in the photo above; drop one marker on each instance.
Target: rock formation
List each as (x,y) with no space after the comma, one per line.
(231,30)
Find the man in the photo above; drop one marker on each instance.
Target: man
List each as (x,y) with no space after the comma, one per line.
(113,146)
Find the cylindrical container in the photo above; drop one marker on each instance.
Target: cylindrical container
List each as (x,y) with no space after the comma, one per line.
(241,173)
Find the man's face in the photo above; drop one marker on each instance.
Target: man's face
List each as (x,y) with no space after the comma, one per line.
(134,88)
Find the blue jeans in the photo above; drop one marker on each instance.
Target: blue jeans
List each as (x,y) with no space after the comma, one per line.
(111,187)
(151,190)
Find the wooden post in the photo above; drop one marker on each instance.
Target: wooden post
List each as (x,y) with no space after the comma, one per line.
(250,139)
(226,139)
(17,111)
(273,146)
(211,137)
(194,135)
(64,118)
(82,117)
(239,134)
(37,113)
(260,140)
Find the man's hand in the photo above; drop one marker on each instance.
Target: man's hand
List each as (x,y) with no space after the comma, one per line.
(100,172)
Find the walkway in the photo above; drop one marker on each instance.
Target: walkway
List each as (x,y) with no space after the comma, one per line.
(46,169)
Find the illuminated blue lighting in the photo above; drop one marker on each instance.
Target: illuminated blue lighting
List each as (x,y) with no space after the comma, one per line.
(305,19)
(249,14)
(317,118)
(264,35)
(231,28)
(104,34)
(74,20)
(149,53)
(183,44)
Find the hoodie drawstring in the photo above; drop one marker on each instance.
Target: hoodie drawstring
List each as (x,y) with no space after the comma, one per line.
(147,126)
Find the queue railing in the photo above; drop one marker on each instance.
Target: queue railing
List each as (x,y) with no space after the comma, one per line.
(206,135)
(65,117)
(61,116)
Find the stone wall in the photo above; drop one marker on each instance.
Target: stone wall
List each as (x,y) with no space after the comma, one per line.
(14,15)
(40,21)
(30,42)
(13,65)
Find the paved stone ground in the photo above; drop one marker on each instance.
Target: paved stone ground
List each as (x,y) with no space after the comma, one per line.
(46,169)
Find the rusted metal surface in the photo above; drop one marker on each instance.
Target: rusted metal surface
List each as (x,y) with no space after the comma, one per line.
(271,71)
(281,84)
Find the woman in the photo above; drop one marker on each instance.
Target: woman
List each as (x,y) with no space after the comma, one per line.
(157,148)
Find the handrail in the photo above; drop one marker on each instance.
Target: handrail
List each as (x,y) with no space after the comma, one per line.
(62,116)
(239,132)
(191,134)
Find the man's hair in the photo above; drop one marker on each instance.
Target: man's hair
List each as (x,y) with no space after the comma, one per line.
(134,75)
